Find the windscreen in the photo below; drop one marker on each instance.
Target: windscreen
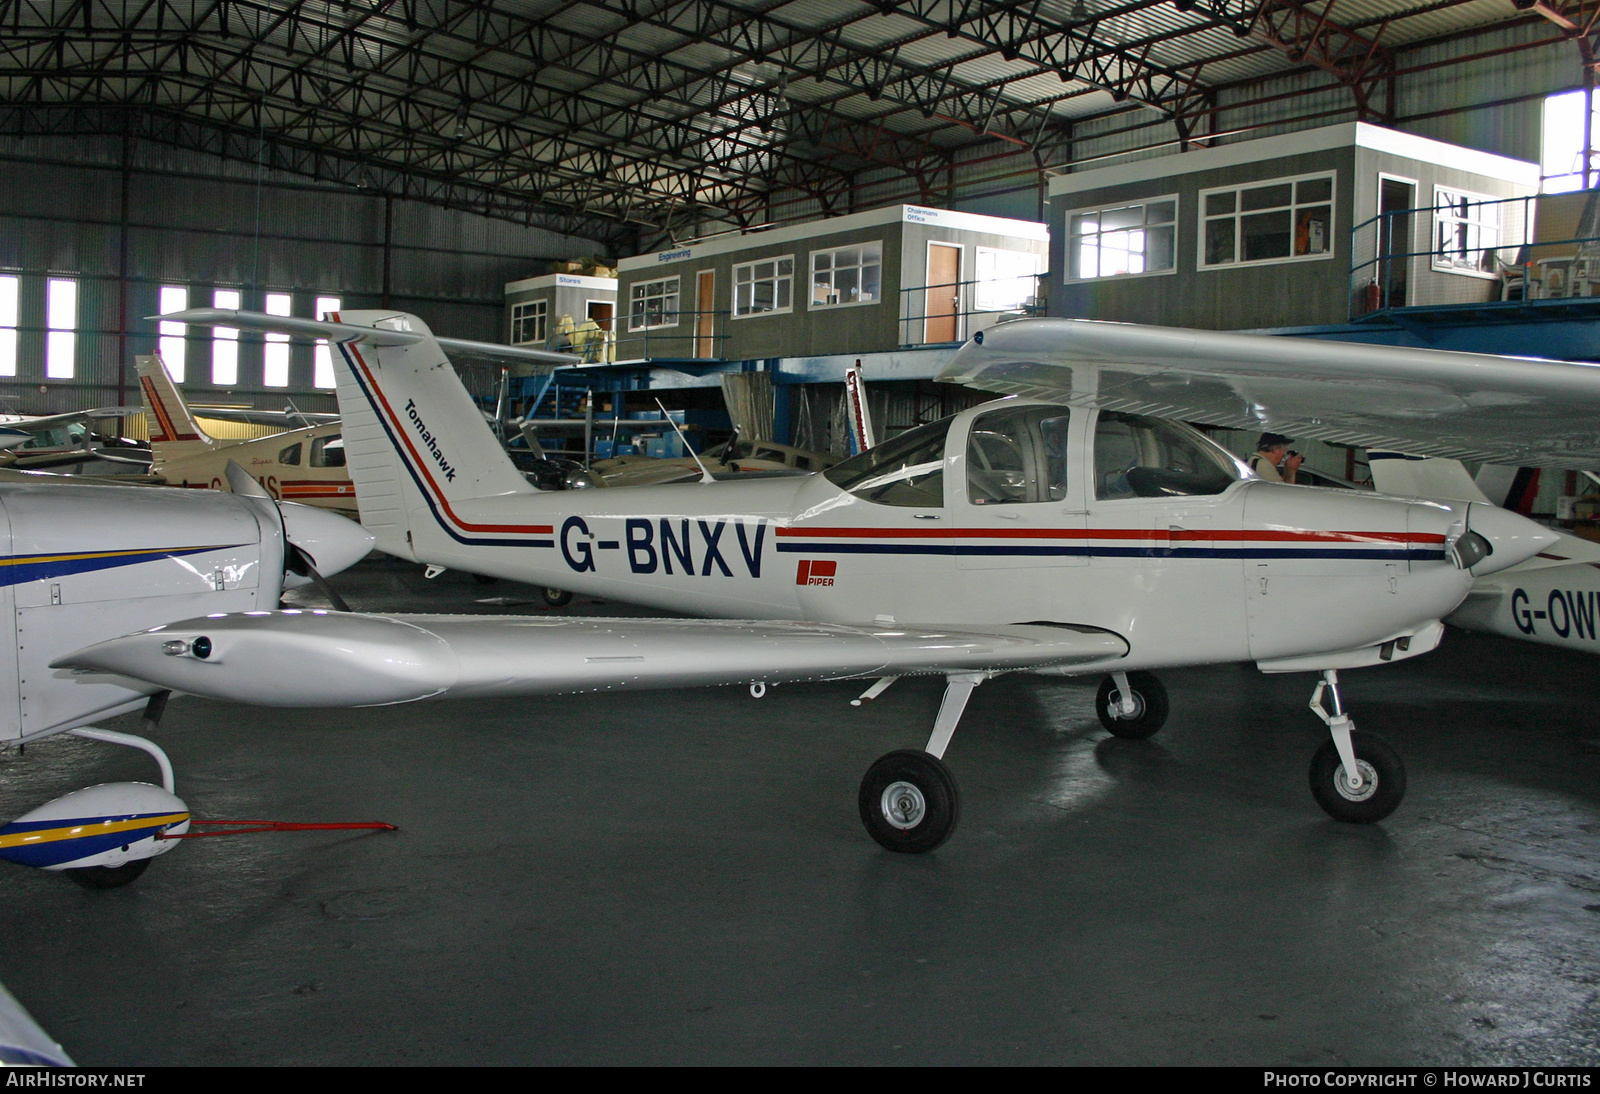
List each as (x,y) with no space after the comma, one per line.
(907,470)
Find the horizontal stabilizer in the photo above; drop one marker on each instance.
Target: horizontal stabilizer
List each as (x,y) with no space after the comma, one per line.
(331,659)
(350,332)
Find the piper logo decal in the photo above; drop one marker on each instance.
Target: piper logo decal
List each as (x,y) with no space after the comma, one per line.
(816,572)
(432,445)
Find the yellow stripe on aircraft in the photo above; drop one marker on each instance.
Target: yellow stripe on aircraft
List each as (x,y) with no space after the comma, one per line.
(81,831)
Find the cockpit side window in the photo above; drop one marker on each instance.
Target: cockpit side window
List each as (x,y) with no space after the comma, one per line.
(290,457)
(1018,454)
(906,470)
(1140,457)
(327,451)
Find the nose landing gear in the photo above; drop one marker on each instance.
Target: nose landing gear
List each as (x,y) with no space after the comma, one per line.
(1132,705)
(1355,777)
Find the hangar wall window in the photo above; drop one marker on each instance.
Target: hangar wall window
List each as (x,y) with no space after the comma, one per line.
(1466,230)
(225,342)
(173,345)
(528,322)
(1007,280)
(1017,455)
(1561,158)
(1140,457)
(61,339)
(1123,240)
(1277,221)
(322,356)
(653,304)
(848,275)
(275,358)
(8,326)
(907,470)
(763,288)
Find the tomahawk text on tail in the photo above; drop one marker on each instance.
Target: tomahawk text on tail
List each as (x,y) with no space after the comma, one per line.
(418,449)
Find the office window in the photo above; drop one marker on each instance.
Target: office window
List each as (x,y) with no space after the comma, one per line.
(1466,231)
(173,344)
(8,326)
(528,322)
(848,275)
(763,288)
(1276,221)
(275,359)
(653,304)
(1007,280)
(225,342)
(61,339)
(322,356)
(1123,240)
(1561,158)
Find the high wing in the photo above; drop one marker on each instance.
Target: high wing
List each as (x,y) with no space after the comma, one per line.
(338,659)
(287,419)
(1505,410)
(14,429)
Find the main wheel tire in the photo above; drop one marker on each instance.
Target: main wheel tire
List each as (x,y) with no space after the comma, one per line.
(108,877)
(1382,790)
(556,598)
(909,801)
(1149,706)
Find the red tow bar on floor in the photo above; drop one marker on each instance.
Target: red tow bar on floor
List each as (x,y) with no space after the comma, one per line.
(246,827)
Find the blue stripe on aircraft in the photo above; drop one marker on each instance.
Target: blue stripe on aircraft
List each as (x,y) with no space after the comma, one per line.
(17,569)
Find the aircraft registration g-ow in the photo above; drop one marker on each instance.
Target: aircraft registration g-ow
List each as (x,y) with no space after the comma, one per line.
(80,563)
(1040,535)
(1552,599)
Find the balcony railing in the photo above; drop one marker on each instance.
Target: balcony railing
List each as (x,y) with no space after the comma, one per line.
(1529,248)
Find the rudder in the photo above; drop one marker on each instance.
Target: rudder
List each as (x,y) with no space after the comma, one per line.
(174,433)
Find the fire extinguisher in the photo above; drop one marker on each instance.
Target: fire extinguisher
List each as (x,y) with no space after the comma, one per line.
(1371,297)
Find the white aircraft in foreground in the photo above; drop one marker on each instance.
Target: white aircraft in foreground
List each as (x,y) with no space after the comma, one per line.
(1065,534)
(80,563)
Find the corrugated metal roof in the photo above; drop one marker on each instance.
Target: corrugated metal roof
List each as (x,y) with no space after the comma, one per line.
(620,109)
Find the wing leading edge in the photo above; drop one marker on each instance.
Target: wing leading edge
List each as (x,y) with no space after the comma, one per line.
(330,659)
(1505,410)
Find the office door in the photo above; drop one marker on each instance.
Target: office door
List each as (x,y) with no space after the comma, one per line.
(705,318)
(942,322)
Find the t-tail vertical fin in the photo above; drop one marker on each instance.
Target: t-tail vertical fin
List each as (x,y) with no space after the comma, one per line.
(417,447)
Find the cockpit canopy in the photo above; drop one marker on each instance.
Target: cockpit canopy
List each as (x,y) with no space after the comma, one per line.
(1020,454)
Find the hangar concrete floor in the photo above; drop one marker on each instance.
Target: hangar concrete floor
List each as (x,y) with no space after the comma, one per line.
(680,877)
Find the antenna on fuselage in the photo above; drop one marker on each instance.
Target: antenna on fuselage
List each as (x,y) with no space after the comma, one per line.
(705,472)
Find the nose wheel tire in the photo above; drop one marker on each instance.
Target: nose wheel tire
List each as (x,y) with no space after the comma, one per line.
(108,877)
(1383,780)
(909,801)
(1149,706)
(556,598)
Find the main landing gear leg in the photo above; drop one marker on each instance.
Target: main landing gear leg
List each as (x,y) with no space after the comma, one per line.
(909,800)
(1355,776)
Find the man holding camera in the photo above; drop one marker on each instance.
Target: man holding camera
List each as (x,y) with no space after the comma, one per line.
(1273,461)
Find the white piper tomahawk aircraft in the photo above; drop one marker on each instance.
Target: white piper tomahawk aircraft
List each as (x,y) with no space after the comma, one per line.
(1065,533)
(80,563)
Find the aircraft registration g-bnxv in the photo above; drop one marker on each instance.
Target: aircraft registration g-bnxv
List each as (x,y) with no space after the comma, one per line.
(1048,535)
